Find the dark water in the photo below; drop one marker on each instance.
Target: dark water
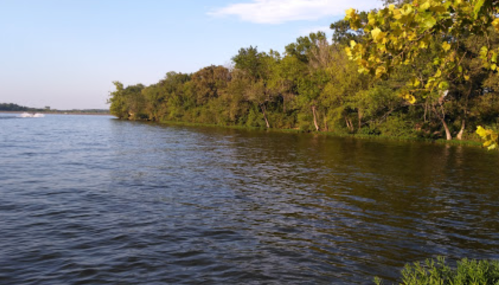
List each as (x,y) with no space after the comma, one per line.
(92,200)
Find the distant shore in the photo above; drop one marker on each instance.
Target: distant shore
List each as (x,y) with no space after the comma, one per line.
(60,113)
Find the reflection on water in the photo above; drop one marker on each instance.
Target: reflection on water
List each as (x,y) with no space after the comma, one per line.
(95,200)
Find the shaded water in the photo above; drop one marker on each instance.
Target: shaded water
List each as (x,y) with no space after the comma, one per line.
(93,200)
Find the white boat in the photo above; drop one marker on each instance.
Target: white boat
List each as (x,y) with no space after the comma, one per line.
(31,115)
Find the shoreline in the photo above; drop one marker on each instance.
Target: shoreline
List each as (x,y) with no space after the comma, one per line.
(454,142)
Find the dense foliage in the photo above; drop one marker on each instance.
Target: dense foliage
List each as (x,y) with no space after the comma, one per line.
(437,271)
(451,45)
(417,79)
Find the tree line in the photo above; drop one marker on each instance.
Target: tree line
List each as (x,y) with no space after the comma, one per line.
(315,85)
(11,107)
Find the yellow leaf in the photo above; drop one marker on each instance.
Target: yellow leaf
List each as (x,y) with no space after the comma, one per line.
(446,46)
(407,9)
(349,52)
(380,71)
(375,33)
(489,137)
(425,5)
(416,83)
(495,24)
(481,131)
(409,98)
(396,14)
(350,14)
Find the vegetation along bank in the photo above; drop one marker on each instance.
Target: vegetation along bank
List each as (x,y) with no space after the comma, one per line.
(418,79)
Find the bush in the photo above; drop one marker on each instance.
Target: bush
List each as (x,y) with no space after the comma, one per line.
(306,122)
(370,131)
(397,126)
(439,272)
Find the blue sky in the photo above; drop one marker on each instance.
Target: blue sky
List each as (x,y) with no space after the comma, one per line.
(66,53)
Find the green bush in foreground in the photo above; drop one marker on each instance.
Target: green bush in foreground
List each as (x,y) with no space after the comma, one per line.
(433,272)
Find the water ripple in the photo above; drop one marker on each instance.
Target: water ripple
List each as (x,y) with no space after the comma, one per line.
(92,200)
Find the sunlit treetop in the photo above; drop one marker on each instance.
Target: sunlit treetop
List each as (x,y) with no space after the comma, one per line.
(399,35)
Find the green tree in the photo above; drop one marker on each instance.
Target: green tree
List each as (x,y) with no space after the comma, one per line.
(399,35)
(209,81)
(117,100)
(257,67)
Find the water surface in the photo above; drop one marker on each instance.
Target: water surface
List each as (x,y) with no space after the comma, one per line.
(93,200)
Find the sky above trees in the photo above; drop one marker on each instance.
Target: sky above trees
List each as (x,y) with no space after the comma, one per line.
(65,54)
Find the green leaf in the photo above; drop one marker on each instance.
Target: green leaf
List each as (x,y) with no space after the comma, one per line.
(428,21)
(477,7)
(443,85)
(440,9)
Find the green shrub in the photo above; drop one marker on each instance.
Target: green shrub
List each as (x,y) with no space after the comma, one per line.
(397,126)
(305,122)
(433,272)
(369,131)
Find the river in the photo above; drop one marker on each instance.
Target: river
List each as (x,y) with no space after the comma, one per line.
(94,200)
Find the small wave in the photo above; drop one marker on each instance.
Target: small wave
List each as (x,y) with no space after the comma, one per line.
(30,115)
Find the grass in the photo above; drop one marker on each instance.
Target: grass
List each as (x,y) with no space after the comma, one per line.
(438,271)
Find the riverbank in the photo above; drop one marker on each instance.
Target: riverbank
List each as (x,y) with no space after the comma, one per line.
(474,143)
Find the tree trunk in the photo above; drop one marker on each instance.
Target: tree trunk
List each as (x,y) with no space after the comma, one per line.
(461,132)
(315,119)
(444,124)
(360,119)
(442,119)
(349,124)
(447,132)
(465,115)
(265,116)
(425,111)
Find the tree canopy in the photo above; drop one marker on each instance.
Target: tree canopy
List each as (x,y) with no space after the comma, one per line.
(427,70)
